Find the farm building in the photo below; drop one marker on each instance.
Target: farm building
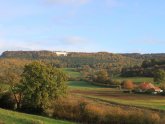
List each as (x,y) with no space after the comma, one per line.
(60,53)
(148,87)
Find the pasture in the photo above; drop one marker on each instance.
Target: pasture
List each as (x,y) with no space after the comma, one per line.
(116,96)
(84,85)
(11,117)
(135,79)
(71,72)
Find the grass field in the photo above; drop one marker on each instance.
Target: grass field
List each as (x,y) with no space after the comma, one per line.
(86,89)
(71,72)
(82,85)
(135,79)
(114,95)
(11,117)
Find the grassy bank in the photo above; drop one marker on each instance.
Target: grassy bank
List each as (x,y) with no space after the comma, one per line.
(11,117)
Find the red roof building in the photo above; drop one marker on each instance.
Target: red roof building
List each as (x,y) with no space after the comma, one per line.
(149,86)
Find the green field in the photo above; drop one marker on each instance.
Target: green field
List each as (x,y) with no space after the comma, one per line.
(113,95)
(71,72)
(11,117)
(86,89)
(116,96)
(153,103)
(135,79)
(83,85)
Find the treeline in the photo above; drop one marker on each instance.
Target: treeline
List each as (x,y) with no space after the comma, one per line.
(147,69)
(129,64)
(158,56)
(101,60)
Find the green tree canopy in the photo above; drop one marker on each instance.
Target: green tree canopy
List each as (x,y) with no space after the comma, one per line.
(40,84)
(159,76)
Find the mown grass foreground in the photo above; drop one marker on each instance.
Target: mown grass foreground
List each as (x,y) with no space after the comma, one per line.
(11,117)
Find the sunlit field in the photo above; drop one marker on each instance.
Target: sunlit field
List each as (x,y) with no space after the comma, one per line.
(116,96)
(11,117)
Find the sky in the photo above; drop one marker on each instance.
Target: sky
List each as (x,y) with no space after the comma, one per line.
(117,26)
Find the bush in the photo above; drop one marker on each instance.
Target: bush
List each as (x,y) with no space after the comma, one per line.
(90,112)
(69,109)
(114,82)
(159,76)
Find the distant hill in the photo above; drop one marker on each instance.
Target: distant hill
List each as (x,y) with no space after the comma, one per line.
(100,60)
(148,67)
(27,54)
(114,63)
(159,56)
(129,64)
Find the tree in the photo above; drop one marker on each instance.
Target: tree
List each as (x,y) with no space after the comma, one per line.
(102,76)
(85,70)
(40,84)
(159,76)
(128,84)
(12,76)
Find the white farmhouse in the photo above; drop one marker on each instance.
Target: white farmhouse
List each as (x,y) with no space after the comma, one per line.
(60,53)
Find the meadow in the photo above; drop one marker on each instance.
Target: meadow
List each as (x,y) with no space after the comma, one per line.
(135,79)
(11,117)
(98,94)
(71,72)
(116,96)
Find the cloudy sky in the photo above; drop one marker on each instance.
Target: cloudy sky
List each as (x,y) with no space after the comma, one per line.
(83,25)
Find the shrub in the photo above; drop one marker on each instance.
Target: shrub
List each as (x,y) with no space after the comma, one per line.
(159,76)
(90,112)
(115,82)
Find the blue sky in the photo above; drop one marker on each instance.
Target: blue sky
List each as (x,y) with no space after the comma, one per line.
(118,26)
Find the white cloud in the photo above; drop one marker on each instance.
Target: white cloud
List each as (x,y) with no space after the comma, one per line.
(68,2)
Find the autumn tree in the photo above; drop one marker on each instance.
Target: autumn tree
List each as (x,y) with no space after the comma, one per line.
(11,75)
(102,76)
(40,84)
(128,84)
